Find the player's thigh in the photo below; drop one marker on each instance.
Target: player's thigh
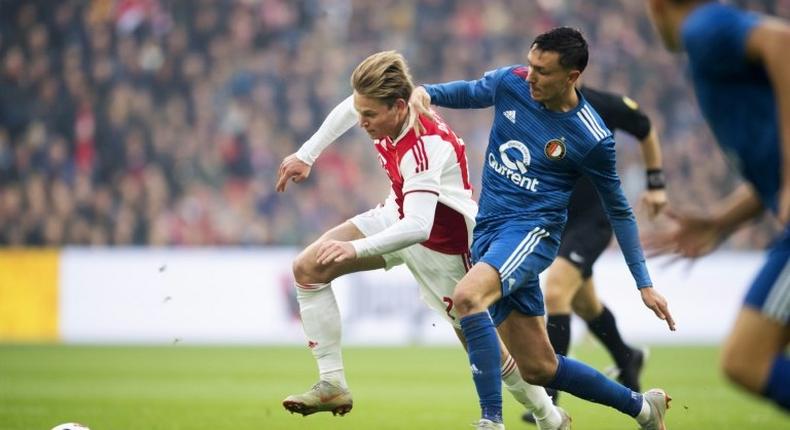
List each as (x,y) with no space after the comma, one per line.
(752,346)
(437,275)
(526,338)
(586,303)
(563,280)
(518,253)
(477,290)
(307,270)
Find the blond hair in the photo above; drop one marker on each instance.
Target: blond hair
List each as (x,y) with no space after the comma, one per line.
(383,76)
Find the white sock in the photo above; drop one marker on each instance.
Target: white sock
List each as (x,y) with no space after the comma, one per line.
(321,324)
(644,413)
(533,398)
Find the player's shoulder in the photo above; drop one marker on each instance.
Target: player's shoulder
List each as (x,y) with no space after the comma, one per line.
(514,72)
(590,125)
(436,136)
(435,126)
(714,21)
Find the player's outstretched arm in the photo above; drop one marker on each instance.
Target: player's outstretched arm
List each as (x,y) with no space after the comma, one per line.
(768,44)
(693,236)
(296,167)
(599,166)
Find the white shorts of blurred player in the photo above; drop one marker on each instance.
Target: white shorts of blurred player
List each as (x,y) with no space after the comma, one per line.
(436,273)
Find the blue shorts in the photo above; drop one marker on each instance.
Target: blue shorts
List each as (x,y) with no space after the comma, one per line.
(770,291)
(519,251)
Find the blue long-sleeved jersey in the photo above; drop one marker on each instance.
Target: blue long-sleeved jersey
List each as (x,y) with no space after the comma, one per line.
(535,156)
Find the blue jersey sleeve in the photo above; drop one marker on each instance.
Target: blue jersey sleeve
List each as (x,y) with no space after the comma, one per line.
(599,166)
(715,37)
(468,94)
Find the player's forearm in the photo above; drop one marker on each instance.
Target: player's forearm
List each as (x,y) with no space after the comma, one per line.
(651,154)
(419,209)
(651,151)
(460,95)
(340,119)
(741,205)
(627,234)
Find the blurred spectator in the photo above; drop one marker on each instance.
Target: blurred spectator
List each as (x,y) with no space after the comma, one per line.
(162,122)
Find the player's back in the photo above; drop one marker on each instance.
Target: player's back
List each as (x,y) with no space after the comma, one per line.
(735,95)
(534,156)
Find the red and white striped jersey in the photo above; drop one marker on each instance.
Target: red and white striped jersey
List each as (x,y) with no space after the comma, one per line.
(435,163)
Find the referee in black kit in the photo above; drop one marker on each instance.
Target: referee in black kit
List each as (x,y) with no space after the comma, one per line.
(569,284)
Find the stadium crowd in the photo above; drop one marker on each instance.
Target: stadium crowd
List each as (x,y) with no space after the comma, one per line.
(163,122)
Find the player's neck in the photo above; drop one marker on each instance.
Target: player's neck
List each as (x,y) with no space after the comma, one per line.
(402,125)
(565,102)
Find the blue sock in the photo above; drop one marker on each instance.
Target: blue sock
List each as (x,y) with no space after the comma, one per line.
(777,388)
(587,383)
(483,346)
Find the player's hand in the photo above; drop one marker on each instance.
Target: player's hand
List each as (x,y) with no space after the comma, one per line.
(654,201)
(784,203)
(658,304)
(335,251)
(292,169)
(420,102)
(690,236)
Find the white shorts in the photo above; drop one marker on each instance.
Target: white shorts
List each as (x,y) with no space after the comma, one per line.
(436,273)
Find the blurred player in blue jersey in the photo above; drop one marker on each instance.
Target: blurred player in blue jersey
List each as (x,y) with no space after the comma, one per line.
(741,74)
(545,136)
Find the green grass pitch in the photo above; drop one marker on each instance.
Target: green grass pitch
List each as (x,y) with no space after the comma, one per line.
(240,388)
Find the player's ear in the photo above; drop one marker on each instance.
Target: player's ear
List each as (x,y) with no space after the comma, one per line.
(573,76)
(401,104)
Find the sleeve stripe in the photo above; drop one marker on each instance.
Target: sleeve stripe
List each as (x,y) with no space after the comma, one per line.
(420,156)
(424,154)
(417,158)
(596,134)
(585,111)
(596,124)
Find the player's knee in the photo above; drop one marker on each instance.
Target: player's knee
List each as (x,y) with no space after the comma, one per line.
(586,310)
(465,301)
(306,270)
(558,297)
(538,372)
(740,368)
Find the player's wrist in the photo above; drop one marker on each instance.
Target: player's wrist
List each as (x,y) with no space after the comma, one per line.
(304,157)
(655,179)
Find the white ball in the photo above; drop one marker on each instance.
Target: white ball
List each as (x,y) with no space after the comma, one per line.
(70,426)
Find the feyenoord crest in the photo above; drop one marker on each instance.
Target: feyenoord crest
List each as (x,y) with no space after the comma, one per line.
(555,149)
